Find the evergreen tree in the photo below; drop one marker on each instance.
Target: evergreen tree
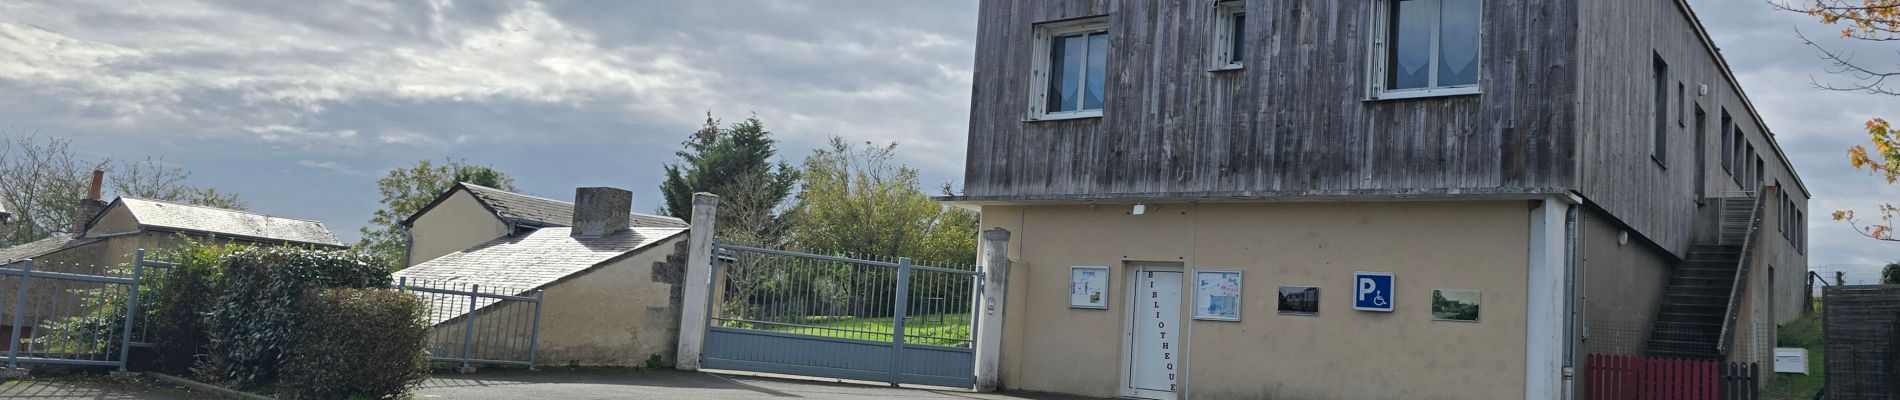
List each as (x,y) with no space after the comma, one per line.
(734,162)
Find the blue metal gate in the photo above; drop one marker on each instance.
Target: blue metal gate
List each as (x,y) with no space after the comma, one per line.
(845,317)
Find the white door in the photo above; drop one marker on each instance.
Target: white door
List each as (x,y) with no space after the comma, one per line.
(1154,362)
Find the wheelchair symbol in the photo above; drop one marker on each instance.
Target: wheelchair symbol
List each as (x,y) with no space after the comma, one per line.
(1372,288)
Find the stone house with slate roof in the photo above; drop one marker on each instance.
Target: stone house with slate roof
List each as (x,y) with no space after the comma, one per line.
(469,214)
(110,234)
(610,278)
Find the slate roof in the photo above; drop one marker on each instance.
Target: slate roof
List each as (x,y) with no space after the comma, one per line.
(550,212)
(162,215)
(41,247)
(517,265)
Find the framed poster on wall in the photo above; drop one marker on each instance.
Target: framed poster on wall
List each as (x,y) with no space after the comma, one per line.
(1088,287)
(1455,305)
(1299,300)
(1217,294)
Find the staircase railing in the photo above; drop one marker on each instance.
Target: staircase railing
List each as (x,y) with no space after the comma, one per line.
(1741,273)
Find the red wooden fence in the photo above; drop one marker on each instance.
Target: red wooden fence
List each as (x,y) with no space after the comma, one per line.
(1614,377)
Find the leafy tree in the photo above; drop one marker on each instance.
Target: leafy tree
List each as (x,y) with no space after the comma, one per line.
(1869,21)
(734,162)
(406,190)
(862,201)
(1890,275)
(152,179)
(42,180)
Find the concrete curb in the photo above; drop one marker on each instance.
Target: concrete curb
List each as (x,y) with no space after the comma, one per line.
(207,388)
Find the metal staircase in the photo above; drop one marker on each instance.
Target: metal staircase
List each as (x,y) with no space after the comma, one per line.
(1703,299)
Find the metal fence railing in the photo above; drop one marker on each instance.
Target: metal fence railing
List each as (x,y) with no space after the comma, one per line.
(69,313)
(475,324)
(858,297)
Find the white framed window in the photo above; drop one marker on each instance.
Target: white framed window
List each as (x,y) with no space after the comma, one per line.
(1070,69)
(1230,35)
(1425,48)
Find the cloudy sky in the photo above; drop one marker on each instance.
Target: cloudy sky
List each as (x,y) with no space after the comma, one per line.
(299,106)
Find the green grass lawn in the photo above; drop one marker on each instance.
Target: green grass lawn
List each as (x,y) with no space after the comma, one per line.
(1804,332)
(933,329)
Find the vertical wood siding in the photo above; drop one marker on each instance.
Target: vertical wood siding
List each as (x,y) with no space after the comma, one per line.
(1618,42)
(1566,105)
(1293,120)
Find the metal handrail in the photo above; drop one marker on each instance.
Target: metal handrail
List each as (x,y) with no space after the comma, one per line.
(1741,274)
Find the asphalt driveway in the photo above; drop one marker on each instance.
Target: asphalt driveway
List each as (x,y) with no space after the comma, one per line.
(88,388)
(669,384)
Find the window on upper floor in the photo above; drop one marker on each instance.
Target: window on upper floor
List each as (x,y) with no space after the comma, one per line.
(1230,34)
(1659,139)
(1682,94)
(1785,213)
(1800,231)
(1070,70)
(1728,143)
(1758,171)
(1742,152)
(1425,48)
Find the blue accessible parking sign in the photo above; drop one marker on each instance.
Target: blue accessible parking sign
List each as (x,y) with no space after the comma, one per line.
(1372,291)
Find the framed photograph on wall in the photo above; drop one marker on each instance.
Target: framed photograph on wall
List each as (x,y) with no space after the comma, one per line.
(1217,294)
(1299,300)
(1088,287)
(1455,305)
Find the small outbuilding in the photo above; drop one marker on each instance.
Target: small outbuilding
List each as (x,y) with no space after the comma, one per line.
(609,279)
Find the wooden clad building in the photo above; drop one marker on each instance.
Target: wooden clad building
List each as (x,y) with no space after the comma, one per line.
(1604,140)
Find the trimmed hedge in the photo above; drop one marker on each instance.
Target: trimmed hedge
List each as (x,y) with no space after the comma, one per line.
(175,300)
(358,343)
(255,321)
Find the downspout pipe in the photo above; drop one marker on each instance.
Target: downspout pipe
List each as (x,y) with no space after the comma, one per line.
(1570,292)
(408,246)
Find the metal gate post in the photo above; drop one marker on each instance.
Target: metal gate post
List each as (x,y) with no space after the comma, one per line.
(19,300)
(902,309)
(534,333)
(468,327)
(131,311)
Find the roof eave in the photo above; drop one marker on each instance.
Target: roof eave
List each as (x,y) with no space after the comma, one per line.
(260,239)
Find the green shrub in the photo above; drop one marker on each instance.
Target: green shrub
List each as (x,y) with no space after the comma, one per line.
(176,299)
(255,318)
(172,304)
(357,343)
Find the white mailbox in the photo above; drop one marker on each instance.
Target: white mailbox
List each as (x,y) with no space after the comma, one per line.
(1791,360)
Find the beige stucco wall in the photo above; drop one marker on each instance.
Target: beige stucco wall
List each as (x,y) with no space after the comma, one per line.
(619,314)
(115,220)
(1622,286)
(1341,354)
(459,222)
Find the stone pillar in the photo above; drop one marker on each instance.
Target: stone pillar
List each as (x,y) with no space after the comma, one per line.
(989,323)
(696,286)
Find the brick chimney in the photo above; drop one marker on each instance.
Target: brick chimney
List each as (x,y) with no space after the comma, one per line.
(91,206)
(600,211)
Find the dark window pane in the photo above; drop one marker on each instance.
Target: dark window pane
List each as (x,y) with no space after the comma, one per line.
(1065,66)
(1458,43)
(1097,70)
(1411,44)
(1661,135)
(1239,39)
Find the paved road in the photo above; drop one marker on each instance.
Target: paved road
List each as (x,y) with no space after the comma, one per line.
(668,384)
(92,388)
